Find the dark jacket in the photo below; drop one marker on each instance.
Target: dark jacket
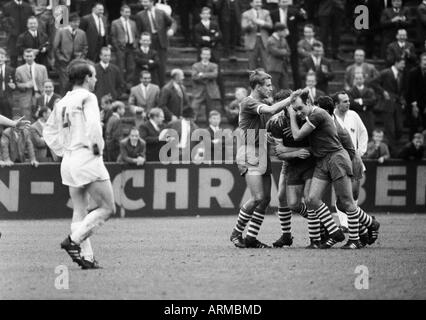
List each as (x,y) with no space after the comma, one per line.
(26,40)
(94,40)
(386,81)
(16,17)
(409,152)
(213,32)
(322,77)
(171,102)
(17,149)
(150,136)
(129,152)
(294,18)
(142,63)
(163,22)
(368,97)
(110,81)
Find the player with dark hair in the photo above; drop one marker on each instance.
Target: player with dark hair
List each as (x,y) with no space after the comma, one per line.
(253,159)
(368,226)
(295,178)
(74,132)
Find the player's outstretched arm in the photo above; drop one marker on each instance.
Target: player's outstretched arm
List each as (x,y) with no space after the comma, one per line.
(20,123)
(279,106)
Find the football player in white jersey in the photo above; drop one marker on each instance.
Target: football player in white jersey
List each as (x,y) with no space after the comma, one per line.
(74,132)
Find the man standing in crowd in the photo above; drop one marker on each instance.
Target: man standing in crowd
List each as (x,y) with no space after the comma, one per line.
(330,15)
(207,34)
(47,99)
(368,70)
(161,27)
(16,13)
(305,47)
(70,43)
(363,100)
(41,150)
(114,131)
(7,86)
(173,96)
(110,79)
(401,48)
(416,97)
(96,28)
(205,89)
(320,65)
(35,39)
(145,95)
(30,78)
(124,39)
(256,24)
(311,86)
(229,16)
(278,57)
(153,133)
(290,16)
(147,59)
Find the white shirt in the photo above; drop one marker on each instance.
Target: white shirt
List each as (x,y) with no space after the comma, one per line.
(98,21)
(401,44)
(144,90)
(356,128)
(33,33)
(80,127)
(145,49)
(126,25)
(215,129)
(317,61)
(206,24)
(32,72)
(151,16)
(186,131)
(104,65)
(395,72)
(47,98)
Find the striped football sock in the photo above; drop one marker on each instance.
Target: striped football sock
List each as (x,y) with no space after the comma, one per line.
(285,219)
(364,219)
(324,215)
(255,224)
(362,230)
(243,218)
(353,224)
(303,211)
(313,226)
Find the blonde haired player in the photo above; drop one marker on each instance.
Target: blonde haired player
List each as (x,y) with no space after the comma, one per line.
(74,132)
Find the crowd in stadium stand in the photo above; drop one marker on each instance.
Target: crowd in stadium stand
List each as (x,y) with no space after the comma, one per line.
(297,42)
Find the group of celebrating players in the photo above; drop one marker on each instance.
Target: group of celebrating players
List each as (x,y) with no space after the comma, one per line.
(316,150)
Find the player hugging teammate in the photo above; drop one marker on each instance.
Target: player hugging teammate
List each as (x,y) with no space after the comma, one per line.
(316,151)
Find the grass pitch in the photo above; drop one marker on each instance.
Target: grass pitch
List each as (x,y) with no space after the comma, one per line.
(192,258)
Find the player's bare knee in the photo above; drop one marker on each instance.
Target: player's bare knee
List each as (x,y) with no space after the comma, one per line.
(266,200)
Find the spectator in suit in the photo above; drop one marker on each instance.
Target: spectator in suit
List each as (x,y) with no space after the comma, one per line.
(145,95)
(391,20)
(416,97)
(217,139)
(278,57)
(41,150)
(290,16)
(96,28)
(421,22)
(153,133)
(35,39)
(184,128)
(229,16)
(16,14)
(114,131)
(330,15)
(389,86)
(173,96)
(377,149)
(207,34)
(363,100)
(359,66)
(110,78)
(311,84)
(305,46)
(146,59)
(161,27)
(205,89)
(320,65)
(70,43)
(124,40)
(7,86)
(256,24)
(30,78)
(401,48)
(414,150)
(47,99)
(16,146)
(132,149)
(233,109)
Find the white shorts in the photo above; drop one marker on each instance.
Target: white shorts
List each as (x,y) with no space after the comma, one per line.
(81,167)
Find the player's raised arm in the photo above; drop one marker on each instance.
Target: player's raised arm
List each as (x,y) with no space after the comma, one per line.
(279,106)
(302,105)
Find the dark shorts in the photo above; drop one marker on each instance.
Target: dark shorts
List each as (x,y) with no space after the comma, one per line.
(297,173)
(253,164)
(358,168)
(334,166)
